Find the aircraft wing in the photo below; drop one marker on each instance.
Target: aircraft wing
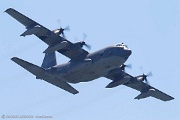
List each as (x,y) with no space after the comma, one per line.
(120,77)
(45,75)
(55,42)
(147,90)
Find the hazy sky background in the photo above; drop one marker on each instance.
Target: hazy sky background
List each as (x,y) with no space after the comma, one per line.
(150,28)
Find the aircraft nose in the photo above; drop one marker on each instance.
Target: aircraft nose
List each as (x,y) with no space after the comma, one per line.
(128,52)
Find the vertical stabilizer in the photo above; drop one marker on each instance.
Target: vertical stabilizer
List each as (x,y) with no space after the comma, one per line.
(49,60)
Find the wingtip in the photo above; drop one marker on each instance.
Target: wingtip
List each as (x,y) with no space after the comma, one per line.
(13,58)
(76,92)
(8,9)
(108,86)
(172,98)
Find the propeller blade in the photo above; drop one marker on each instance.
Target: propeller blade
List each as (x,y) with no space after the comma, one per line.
(67,28)
(126,66)
(61,30)
(145,77)
(150,74)
(87,46)
(129,66)
(84,36)
(141,69)
(83,43)
(147,82)
(59,22)
(63,35)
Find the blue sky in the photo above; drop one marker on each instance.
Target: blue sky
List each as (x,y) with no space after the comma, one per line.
(150,28)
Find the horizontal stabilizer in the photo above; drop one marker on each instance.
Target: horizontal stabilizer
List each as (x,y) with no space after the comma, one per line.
(45,75)
(34,69)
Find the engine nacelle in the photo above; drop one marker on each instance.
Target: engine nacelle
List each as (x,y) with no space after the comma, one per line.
(118,82)
(79,44)
(140,78)
(59,46)
(31,31)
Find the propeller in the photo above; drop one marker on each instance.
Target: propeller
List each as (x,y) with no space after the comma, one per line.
(83,43)
(126,66)
(61,30)
(144,77)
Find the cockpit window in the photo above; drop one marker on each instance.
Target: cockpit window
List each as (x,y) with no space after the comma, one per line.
(125,46)
(122,45)
(119,45)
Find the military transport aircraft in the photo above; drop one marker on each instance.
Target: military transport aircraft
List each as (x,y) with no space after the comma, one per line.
(83,66)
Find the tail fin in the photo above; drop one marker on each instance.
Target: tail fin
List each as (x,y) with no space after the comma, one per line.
(49,60)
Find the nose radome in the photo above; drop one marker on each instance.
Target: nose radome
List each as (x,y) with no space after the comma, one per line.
(128,52)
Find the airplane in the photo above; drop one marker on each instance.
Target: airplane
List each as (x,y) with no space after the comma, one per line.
(83,66)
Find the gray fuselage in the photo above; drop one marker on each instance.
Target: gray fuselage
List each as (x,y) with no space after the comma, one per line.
(94,65)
